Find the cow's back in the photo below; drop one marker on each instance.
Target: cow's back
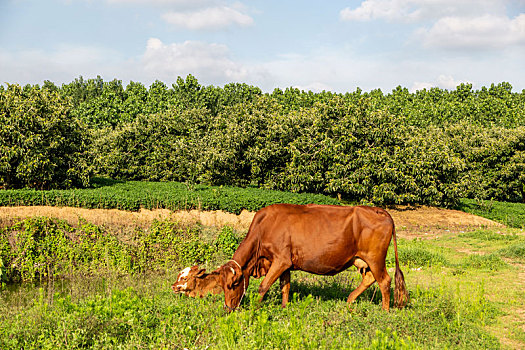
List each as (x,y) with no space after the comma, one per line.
(322,239)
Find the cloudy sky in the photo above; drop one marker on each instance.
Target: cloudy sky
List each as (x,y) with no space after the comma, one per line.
(313,45)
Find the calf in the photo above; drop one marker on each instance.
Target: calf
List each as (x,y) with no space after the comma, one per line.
(193,282)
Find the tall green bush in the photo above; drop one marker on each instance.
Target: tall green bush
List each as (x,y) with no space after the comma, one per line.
(41,144)
(494,158)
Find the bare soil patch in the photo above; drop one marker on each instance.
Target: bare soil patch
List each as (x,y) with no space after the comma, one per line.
(427,222)
(409,221)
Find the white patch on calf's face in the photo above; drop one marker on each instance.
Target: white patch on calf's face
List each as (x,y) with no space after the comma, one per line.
(184,273)
(183,286)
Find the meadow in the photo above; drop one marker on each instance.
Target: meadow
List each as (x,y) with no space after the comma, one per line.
(89,286)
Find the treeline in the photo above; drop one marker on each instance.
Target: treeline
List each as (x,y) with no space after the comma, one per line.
(428,147)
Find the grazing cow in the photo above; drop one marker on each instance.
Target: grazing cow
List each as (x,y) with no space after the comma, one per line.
(193,282)
(320,239)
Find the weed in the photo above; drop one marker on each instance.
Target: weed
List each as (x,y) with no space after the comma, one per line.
(227,241)
(487,235)
(42,248)
(490,262)
(516,251)
(417,253)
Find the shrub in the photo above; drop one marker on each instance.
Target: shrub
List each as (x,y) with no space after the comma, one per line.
(227,241)
(42,248)
(41,145)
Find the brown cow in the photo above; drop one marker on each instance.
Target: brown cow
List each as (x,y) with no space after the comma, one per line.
(193,282)
(320,239)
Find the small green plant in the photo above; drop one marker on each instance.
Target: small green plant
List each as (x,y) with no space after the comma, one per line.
(3,275)
(44,248)
(487,262)
(516,251)
(507,213)
(227,241)
(485,205)
(418,253)
(487,235)
(129,195)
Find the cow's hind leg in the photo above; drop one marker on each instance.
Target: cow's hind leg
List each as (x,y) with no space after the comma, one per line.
(368,280)
(285,286)
(275,271)
(383,280)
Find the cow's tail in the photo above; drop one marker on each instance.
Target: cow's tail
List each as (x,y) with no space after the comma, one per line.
(400,290)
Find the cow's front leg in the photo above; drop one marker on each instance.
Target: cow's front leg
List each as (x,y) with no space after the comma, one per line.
(275,271)
(285,286)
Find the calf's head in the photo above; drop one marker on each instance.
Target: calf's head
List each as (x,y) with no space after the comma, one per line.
(187,279)
(234,282)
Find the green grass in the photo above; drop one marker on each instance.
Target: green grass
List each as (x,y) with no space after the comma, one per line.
(514,251)
(509,214)
(134,195)
(418,253)
(455,285)
(145,313)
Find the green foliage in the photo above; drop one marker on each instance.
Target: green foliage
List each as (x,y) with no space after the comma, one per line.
(417,253)
(514,251)
(152,317)
(495,160)
(485,235)
(41,144)
(133,195)
(510,214)
(488,262)
(429,147)
(42,248)
(227,241)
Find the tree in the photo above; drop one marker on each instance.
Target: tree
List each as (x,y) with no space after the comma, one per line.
(41,144)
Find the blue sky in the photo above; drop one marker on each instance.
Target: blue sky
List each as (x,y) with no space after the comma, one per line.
(313,45)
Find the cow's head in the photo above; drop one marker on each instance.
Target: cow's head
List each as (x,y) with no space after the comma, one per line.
(186,280)
(234,282)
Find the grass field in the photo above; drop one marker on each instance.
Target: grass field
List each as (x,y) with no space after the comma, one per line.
(466,291)
(509,214)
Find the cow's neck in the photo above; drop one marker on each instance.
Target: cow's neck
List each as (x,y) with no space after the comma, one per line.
(246,253)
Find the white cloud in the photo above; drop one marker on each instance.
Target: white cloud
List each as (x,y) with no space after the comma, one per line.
(208,18)
(205,61)
(484,32)
(62,64)
(450,24)
(170,3)
(420,10)
(443,81)
(315,87)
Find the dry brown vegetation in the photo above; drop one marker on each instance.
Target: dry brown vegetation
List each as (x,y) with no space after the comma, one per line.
(409,221)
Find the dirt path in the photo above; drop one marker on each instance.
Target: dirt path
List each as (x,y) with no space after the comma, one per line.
(409,222)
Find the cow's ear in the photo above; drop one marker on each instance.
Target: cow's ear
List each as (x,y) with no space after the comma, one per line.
(200,273)
(230,275)
(226,276)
